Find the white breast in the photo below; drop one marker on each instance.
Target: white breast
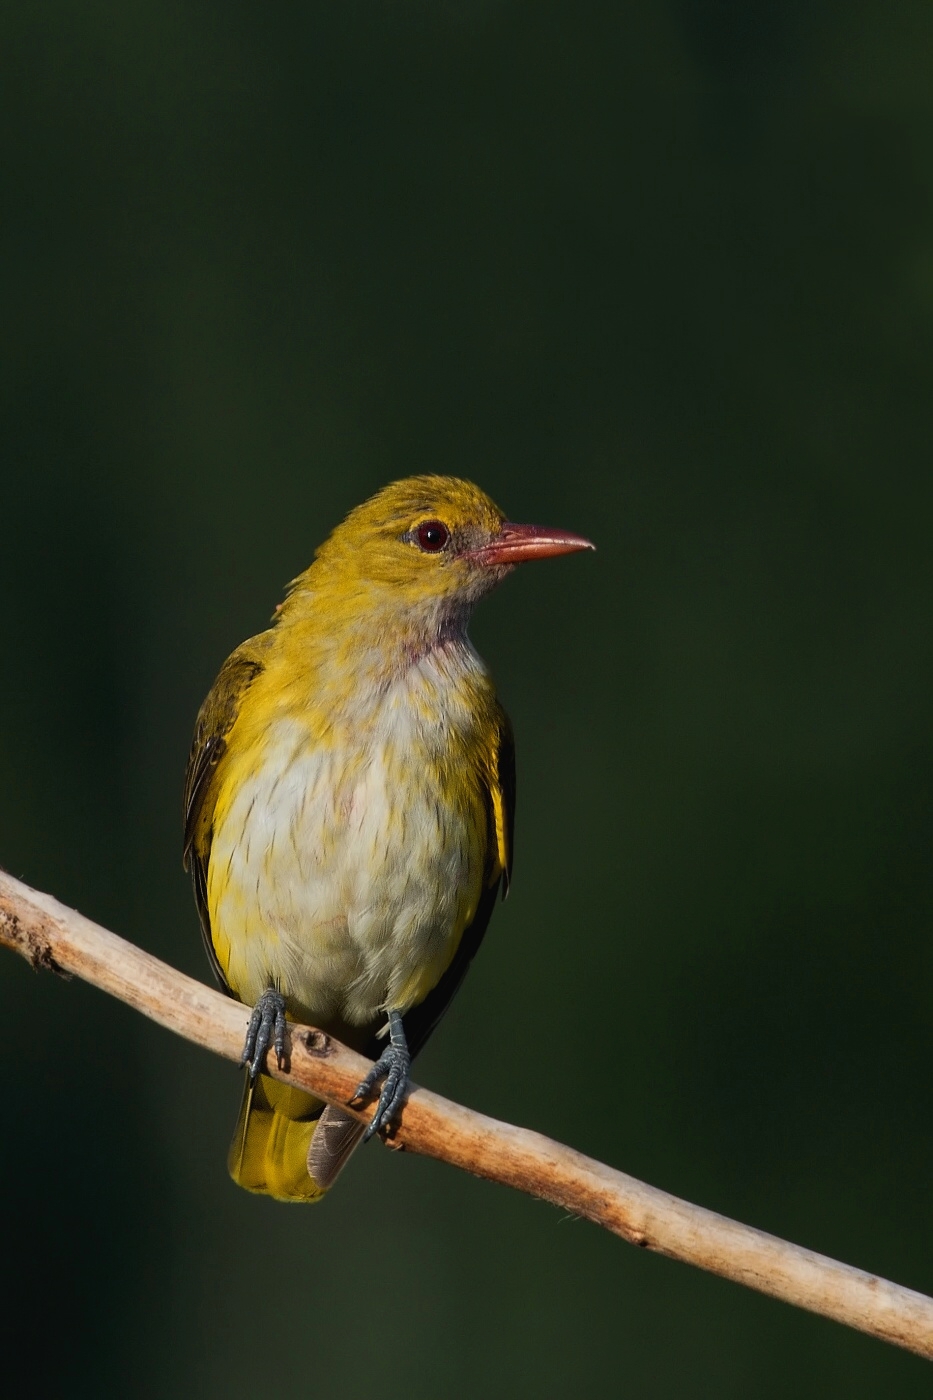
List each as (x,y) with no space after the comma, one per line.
(346,875)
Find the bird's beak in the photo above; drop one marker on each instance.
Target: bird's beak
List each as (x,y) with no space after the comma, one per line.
(516,543)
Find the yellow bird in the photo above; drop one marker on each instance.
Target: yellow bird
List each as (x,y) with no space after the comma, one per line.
(348,809)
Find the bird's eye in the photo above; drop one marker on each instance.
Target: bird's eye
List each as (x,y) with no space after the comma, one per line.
(432,536)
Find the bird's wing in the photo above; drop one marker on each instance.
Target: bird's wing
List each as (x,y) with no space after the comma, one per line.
(420,1021)
(503,800)
(215,720)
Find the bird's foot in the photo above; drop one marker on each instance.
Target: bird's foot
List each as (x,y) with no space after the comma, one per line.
(392,1066)
(266,1027)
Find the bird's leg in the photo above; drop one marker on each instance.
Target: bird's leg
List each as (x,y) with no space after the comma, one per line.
(393,1066)
(266,1027)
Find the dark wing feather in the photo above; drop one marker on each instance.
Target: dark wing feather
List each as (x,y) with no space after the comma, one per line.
(420,1021)
(506,778)
(215,720)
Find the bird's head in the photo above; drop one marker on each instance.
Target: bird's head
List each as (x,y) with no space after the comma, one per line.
(426,548)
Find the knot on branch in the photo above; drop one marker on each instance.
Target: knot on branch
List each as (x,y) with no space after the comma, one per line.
(35,947)
(317,1043)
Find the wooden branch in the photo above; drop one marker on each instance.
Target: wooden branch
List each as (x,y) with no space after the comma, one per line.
(52,936)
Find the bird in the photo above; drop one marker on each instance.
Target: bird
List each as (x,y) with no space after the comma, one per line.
(349,811)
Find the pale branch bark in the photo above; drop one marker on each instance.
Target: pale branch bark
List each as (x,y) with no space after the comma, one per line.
(52,936)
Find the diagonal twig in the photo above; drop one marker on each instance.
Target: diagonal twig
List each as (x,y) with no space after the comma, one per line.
(52,936)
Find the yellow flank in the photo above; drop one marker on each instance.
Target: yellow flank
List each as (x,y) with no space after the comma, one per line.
(349,799)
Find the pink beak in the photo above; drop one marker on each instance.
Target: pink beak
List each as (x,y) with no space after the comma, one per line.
(516,543)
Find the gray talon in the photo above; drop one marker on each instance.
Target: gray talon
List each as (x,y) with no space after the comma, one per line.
(266,1027)
(393,1067)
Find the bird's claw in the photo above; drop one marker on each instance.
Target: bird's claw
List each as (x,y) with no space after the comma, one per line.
(266,1027)
(393,1066)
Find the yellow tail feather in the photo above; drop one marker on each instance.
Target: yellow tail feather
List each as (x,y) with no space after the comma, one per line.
(269,1152)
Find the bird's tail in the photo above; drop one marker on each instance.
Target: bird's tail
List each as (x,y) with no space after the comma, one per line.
(289,1144)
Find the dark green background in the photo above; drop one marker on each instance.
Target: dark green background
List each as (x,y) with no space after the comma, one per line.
(660,273)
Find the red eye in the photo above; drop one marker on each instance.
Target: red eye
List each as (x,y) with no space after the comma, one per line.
(432,536)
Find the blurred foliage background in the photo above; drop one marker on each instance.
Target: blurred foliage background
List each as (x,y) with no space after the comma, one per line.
(660,273)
